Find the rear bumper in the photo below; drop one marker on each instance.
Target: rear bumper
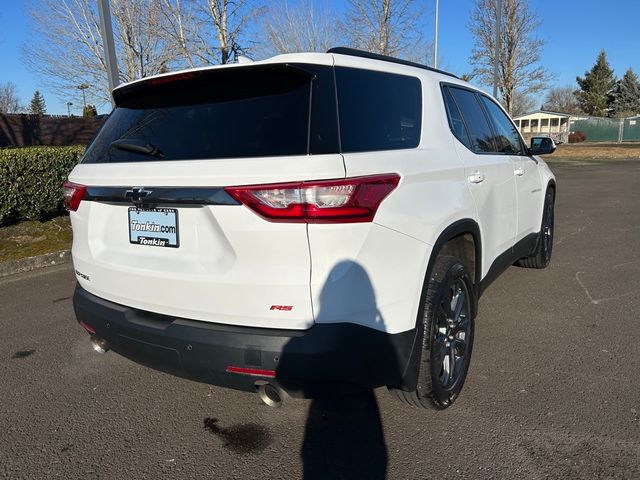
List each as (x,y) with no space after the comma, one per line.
(309,363)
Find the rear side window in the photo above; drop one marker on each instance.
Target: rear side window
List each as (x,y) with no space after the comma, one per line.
(236,112)
(378,111)
(455,118)
(476,121)
(506,137)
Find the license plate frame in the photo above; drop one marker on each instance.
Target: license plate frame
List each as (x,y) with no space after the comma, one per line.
(153,227)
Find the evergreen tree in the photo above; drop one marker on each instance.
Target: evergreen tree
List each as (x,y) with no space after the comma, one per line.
(89,111)
(625,98)
(37,105)
(596,87)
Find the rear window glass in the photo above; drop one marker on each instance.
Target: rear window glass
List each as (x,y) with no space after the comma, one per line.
(237,112)
(378,111)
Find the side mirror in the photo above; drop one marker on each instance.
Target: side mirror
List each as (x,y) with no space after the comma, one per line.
(542,146)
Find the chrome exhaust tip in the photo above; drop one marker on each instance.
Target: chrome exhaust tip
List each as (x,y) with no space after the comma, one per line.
(271,395)
(99,344)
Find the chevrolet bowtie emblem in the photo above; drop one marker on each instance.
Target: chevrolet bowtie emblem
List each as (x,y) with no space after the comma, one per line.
(136,195)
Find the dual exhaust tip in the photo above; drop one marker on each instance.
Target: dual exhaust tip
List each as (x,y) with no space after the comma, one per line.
(270,394)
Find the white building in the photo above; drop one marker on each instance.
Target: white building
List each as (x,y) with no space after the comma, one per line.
(544,123)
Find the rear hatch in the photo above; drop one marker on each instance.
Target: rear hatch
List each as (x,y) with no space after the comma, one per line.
(156,230)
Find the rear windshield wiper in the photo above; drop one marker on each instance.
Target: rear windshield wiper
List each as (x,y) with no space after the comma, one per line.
(137,146)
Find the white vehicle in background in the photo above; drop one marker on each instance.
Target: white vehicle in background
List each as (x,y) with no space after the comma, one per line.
(304,224)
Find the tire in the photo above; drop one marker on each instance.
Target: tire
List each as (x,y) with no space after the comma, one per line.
(448,323)
(544,246)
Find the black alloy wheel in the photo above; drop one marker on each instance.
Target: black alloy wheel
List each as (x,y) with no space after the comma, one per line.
(450,336)
(547,227)
(541,257)
(447,322)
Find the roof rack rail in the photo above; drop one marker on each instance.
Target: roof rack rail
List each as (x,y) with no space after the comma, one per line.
(376,56)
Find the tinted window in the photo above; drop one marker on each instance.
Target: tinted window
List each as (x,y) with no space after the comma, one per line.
(475,119)
(324,115)
(455,119)
(378,111)
(236,112)
(506,137)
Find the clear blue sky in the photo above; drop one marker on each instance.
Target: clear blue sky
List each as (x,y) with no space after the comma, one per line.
(575,31)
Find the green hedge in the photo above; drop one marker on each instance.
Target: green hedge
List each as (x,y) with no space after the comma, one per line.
(31,181)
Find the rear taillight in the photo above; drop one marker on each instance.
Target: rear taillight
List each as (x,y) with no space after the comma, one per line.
(73,195)
(347,200)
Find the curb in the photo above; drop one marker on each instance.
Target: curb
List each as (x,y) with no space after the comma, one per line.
(31,263)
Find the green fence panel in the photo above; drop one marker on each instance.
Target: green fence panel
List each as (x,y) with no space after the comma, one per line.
(631,132)
(598,129)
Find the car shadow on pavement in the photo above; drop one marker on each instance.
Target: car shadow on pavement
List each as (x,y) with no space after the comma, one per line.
(344,436)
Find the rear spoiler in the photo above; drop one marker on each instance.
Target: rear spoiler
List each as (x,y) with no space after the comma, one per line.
(211,85)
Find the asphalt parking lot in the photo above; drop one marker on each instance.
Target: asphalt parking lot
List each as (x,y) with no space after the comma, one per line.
(553,389)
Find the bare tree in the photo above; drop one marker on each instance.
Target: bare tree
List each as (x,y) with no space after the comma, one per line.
(522,104)
(299,26)
(229,19)
(562,99)
(66,44)
(142,50)
(9,100)
(206,32)
(180,29)
(518,62)
(389,27)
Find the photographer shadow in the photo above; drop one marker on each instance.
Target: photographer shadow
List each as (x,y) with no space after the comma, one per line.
(344,436)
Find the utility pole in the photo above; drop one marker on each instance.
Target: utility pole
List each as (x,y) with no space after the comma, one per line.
(496,54)
(83,87)
(435,40)
(69,108)
(106,31)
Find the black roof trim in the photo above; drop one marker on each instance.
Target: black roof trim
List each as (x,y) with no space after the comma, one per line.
(376,56)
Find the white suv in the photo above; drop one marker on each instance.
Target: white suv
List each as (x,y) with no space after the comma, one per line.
(304,224)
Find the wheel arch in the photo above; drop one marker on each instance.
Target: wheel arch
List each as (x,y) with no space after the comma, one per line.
(457,230)
(454,232)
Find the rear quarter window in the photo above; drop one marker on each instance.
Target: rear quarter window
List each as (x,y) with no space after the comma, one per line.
(480,133)
(456,122)
(377,110)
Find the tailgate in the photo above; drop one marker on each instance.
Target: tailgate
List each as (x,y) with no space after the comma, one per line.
(156,229)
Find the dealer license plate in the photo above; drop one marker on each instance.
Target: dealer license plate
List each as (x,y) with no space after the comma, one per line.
(157,227)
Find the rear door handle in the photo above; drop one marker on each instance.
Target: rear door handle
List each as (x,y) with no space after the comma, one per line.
(476,177)
(519,171)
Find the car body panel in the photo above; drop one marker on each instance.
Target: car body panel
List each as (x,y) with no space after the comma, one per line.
(231,266)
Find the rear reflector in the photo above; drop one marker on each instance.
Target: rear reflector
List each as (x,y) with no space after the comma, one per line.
(73,195)
(349,200)
(88,328)
(254,372)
